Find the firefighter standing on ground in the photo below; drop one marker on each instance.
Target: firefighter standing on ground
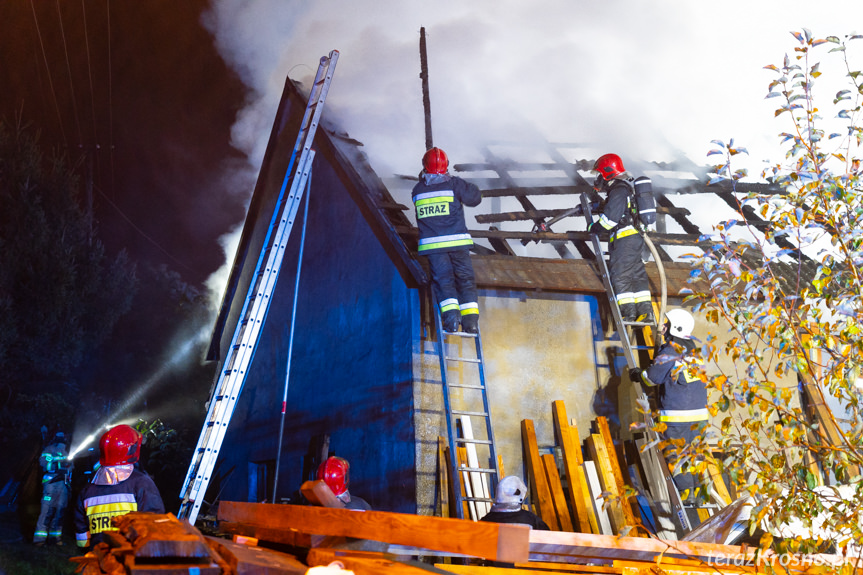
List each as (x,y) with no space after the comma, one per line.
(56,472)
(682,395)
(444,239)
(117,487)
(628,276)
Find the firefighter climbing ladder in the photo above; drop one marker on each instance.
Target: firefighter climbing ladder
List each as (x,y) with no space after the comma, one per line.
(654,462)
(230,381)
(472,476)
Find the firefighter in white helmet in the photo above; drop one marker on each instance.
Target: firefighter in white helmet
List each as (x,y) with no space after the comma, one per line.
(507,507)
(682,395)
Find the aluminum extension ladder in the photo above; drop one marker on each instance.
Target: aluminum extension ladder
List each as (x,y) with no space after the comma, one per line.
(229,383)
(653,459)
(478,480)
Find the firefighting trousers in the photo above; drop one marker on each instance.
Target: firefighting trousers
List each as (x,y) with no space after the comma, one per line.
(629,278)
(686,482)
(55,497)
(453,282)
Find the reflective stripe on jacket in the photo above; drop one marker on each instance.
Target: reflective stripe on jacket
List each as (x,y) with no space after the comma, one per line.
(439,200)
(683,397)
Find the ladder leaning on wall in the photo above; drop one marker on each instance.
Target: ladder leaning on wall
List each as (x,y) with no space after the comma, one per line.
(655,466)
(470,475)
(227,388)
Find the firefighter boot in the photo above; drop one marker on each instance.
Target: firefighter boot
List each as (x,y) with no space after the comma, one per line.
(644,312)
(628,311)
(450,320)
(470,322)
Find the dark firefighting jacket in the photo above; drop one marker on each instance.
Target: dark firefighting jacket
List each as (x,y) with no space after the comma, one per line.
(439,200)
(683,396)
(617,214)
(98,504)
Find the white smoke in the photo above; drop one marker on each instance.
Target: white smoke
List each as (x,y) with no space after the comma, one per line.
(644,79)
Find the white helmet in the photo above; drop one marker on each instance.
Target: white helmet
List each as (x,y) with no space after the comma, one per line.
(510,490)
(681,323)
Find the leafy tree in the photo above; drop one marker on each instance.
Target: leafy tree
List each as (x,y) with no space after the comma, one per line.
(60,295)
(784,278)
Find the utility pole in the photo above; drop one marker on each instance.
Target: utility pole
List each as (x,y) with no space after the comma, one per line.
(424,76)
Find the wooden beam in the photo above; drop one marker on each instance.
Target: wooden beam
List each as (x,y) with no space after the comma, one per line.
(536,475)
(252,559)
(617,472)
(600,457)
(557,497)
(319,493)
(364,563)
(495,541)
(570,445)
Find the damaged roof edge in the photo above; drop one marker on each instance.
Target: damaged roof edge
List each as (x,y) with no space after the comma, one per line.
(352,168)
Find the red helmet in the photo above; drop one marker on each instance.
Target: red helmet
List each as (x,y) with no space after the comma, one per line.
(435,161)
(608,166)
(120,445)
(334,472)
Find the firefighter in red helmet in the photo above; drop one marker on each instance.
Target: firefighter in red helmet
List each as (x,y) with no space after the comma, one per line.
(626,244)
(439,199)
(117,487)
(335,472)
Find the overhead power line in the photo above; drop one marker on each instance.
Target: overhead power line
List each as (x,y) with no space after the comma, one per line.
(48,72)
(69,71)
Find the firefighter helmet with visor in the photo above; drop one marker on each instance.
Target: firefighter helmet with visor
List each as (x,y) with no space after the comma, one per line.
(608,166)
(334,472)
(435,161)
(120,445)
(680,323)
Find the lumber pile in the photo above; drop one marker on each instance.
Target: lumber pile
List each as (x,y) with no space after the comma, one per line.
(149,543)
(587,493)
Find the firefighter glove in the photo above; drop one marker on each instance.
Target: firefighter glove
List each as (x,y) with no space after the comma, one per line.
(635,374)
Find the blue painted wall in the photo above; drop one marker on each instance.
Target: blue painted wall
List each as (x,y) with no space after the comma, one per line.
(351,363)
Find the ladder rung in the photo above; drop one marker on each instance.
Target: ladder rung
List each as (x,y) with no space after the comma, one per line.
(475,413)
(482,499)
(463,386)
(477,470)
(459,333)
(639,323)
(464,359)
(477,441)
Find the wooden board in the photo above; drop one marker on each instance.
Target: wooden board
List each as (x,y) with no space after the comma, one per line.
(596,501)
(599,454)
(559,546)
(542,499)
(570,445)
(319,493)
(365,563)
(495,541)
(629,516)
(253,560)
(443,475)
(559,500)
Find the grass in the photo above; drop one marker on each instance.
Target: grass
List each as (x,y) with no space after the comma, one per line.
(18,556)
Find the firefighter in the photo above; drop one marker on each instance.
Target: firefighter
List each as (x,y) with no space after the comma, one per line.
(682,397)
(117,487)
(507,508)
(439,198)
(335,472)
(56,475)
(625,246)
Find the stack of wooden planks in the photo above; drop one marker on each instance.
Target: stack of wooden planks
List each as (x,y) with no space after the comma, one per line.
(595,498)
(276,539)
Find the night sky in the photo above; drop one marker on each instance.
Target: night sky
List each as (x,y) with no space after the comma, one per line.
(150,102)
